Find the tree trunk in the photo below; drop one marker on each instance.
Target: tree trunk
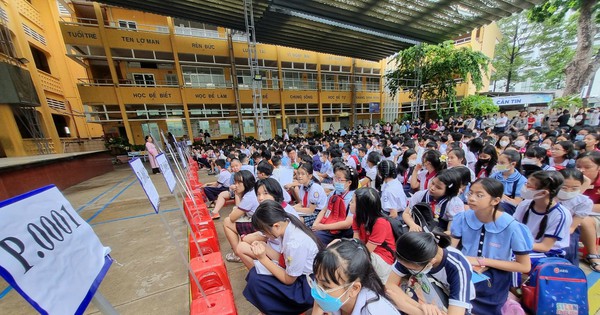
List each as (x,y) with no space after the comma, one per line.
(512,58)
(580,70)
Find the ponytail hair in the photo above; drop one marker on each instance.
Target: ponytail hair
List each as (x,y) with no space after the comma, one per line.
(386,169)
(420,248)
(270,212)
(435,158)
(551,181)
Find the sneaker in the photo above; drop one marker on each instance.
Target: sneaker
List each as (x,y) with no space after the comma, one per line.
(215,216)
(231,257)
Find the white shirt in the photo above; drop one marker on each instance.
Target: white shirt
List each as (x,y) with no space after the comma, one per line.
(299,251)
(373,306)
(501,121)
(393,196)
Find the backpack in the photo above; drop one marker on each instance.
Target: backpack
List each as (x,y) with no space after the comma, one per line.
(358,166)
(398,228)
(336,211)
(555,286)
(423,215)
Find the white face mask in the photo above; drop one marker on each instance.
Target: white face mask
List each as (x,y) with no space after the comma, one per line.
(519,143)
(528,161)
(530,194)
(504,143)
(502,168)
(567,195)
(545,146)
(412,163)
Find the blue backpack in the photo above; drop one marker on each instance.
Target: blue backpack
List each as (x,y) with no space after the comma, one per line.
(555,286)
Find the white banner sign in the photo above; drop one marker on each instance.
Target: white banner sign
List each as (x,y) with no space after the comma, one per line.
(49,254)
(523,99)
(165,169)
(142,175)
(181,157)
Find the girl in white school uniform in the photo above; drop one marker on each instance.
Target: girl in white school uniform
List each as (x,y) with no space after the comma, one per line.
(489,238)
(426,260)
(442,195)
(266,189)
(579,205)
(271,287)
(312,196)
(548,220)
(345,283)
(393,198)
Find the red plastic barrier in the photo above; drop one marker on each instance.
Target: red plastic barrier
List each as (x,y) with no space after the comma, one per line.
(211,273)
(201,222)
(195,210)
(221,303)
(199,194)
(208,244)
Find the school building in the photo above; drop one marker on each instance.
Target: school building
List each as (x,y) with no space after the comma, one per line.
(104,70)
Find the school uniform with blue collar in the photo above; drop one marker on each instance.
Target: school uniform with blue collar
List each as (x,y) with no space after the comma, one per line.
(499,240)
(312,194)
(512,188)
(453,274)
(270,295)
(325,235)
(367,303)
(557,226)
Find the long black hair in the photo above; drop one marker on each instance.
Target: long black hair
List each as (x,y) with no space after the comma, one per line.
(403,165)
(246,178)
(551,181)
(368,207)
(272,187)
(270,212)
(420,248)
(386,169)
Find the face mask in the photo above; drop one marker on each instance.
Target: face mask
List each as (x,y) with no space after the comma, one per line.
(425,271)
(545,146)
(341,145)
(412,163)
(504,143)
(579,137)
(567,195)
(339,188)
(323,160)
(527,161)
(327,302)
(530,194)
(519,143)
(502,168)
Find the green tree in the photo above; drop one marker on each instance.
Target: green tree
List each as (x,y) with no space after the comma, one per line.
(509,60)
(554,41)
(431,72)
(586,59)
(478,105)
(567,102)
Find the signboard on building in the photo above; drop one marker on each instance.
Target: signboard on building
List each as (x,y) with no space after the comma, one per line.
(374,108)
(522,99)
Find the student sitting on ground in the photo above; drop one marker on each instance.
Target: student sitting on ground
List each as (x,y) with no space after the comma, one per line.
(213,189)
(227,194)
(238,223)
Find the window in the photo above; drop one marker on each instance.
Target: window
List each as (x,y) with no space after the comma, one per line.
(131,25)
(40,59)
(6,44)
(204,77)
(171,79)
(373,84)
(144,79)
(328,82)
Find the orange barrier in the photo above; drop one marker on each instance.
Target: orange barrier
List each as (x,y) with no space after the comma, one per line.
(211,273)
(198,210)
(221,303)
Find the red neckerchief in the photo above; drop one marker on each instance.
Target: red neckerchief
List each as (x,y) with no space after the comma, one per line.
(406,175)
(427,178)
(284,204)
(481,172)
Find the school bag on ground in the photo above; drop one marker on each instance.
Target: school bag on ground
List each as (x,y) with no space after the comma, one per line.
(555,286)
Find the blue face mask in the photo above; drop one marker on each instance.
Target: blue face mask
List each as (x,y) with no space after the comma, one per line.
(327,302)
(339,188)
(341,145)
(579,137)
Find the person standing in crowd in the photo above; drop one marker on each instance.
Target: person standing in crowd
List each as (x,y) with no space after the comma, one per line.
(501,123)
(152,153)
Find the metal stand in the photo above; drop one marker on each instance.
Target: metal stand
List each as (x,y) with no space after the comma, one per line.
(254,69)
(103,304)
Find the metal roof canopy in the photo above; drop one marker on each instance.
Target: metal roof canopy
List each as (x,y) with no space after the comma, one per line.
(365,29)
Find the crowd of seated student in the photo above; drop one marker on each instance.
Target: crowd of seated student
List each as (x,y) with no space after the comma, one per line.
(498,202)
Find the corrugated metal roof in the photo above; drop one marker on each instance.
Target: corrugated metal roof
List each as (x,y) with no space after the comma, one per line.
(366,29)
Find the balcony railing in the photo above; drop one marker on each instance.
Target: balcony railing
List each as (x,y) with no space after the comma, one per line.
(300,85)
(164,29)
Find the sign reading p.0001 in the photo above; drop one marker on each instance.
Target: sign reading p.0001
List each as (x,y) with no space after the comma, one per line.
(48,253)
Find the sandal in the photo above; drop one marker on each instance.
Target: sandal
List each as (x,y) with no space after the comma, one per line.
(231,257)
(593,265)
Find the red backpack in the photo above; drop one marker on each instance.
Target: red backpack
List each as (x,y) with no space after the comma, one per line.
(358,166)
(336,211)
